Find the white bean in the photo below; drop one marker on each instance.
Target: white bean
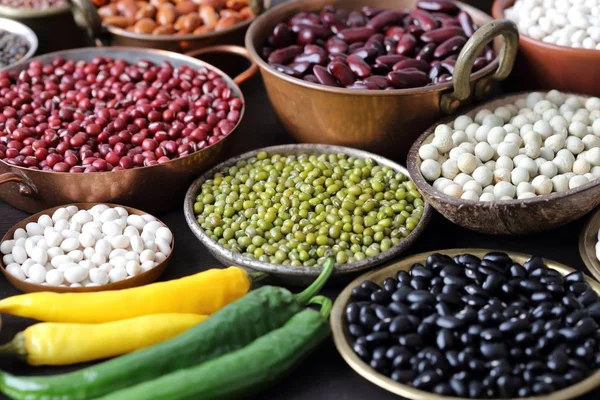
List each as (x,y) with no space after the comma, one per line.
(87,264)
(98,209)
(106,267)
(103,247)
(131,231)
(19,254)
(37,273)
(160,257)
(16,271)
(60,214)
(39,255)
(148,265)
(117,274)
(120,242)
(55,277)
(45,221)
(147,255)
(136,221)
(98,276)
(7,246)
(75,274)
(120,261)
(133,268)
(69,244)
(8,259)
(137,244)
(98,259)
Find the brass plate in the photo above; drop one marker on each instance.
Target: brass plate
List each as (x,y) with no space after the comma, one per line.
(139,280)
(587,243)
(341,336)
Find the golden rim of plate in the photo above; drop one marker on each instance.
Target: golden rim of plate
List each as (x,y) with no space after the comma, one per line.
(341,336)
(587,243)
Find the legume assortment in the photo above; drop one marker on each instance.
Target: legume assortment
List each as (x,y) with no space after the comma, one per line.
(78,248)
(478,328)
(293,209)
(374,49)
(569,23)
(540,144)
(109,114)
(168,17)
(13,48)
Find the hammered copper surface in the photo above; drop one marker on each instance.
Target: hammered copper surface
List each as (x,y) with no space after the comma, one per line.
(512,217)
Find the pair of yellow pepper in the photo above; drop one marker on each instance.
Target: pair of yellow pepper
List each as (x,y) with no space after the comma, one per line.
(83,327)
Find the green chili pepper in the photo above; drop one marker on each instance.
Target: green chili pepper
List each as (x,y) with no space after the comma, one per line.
(242,372)
(230,329)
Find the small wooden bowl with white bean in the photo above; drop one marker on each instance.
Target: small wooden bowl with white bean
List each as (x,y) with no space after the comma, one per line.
(142,278)
(544,211)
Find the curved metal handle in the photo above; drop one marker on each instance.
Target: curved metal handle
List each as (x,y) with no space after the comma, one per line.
(26,187)
(87,18)
(450,102)
(259,6)
(241,51)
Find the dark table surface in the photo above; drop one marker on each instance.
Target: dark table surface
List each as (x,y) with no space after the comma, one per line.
(324,375)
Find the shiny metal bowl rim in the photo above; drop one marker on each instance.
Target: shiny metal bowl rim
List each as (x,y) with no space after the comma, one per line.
(20,29)
(239,259)
(22,12)
(340,333)
(106,52)
(298,6)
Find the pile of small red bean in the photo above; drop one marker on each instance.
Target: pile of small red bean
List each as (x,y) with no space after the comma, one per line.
(374,49)
(34,4)
(108,115)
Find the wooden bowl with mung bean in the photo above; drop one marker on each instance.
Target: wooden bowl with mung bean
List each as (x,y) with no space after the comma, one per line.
(283,209)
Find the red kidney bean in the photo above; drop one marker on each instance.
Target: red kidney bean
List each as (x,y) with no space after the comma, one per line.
(490,55)
(426,53)
(311,78)
(365,53)
(306,36)
(394,32)
(300,67)
(380,81)
(441,35)
(285,55)
(450,22)
(424,19)
(449,47)
(312,58)
(390,45)
(406,45)
(324,77)
(466,22)
(304,18)
(341,72)
(449,65)
(336,45)
(355,46)
(390,60)
(415,30)
(435,71)
(407,79)
(286,70)
(282,36)
(384,19)
(445,78)
(445,6)
(356,20)
(352,35)
(320,31)
(359,66)
(479,63)
(412,63)
(370,12)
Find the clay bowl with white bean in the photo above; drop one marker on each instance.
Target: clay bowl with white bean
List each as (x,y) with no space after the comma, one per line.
(533,212)
(570,69)
(142,278)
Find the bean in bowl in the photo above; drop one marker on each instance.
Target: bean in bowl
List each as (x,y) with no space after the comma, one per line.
(108,114)
(294,209)
(33,4)
(374,49)
(13,48)
(478,328)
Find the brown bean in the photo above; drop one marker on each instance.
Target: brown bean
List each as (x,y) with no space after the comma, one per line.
(144,25)
(466,22)
(335,45)
(311,78)
(324,77)
(301,68)
(118,21)
(378,80)
(164,30)
(285,55)
(148,11)
(108,11)
(228,13)
(358,66)
(127,8)
(186,7)
(449,47)
(406,45)
(236,5)
(216,4)
(407,79)
(444,6)
(166,14)
(208,15)
(352,35)
(426,53)
(440,35)
(341,72)
(424,20)
(384,19)
(412,63)
(158,3)
(192,22)
(389,60)
(246,13)
(203,29)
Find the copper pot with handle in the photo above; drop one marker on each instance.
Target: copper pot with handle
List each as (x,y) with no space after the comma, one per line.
(382,121)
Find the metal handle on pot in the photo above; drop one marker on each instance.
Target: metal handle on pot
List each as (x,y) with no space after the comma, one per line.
(87,18)
(259,6)
(229,49)
(26,187)
(450,102)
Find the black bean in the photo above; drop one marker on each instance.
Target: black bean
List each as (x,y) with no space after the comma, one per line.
(467,259)
(555,288)
(443,308)
(431,319)
(451,269)
(395,351)
(538,297)
(403,278)
(368,320)
(493,350)
(378,338)
(401,325)
(575,276)
(456,280)
(450,298)
(474,301)
(352,313)
(542,388)
(552,324)
(379,353)
(569,334)
(398,308)
(524,338)
(558,361)
(498,257)
(516,353)
(473,275)
(588,297)
(578,288)
(422,271)
(474,289)
(507,386)
(401,294)
(542,311)
(533,263)
(514,325)
(379,365)
(422,308)
(492,283)
(356,330)
(537,273)
(524,392)
(360,294)
(421,296)
(443,389)
(382,326)
(382,312)
(419,283)
(390,284)
(370,286)
(517,271)
(381,297)
(576,316)
(558,311)
(445,339)
(449,322)
(489,267)
(594,310)
(362,351)
(498,368)
(586,327)
(426,379)
(475,389)
(403,375)
(531,286)
(511,312)
(583,353)
(491,334)
(438,280)
(410,340)
(554,280)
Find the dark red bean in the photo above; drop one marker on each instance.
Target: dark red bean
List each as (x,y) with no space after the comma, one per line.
(319,31)
(380,81)
(390,60)
(285,55)
(336,45)
(445,6)
(341,72)
(370,12)
(406,45)
(324,77)
(352,35)
(446,23)
(282,36)
(424,19)
(426,53)
(355,46)
(466,22)
(412,63)
(441,35)
(300,67)
(479,63)
(358,66)
(384,19)
(356,20)
(311,78)
(312,58)
(449,47)
(394,32)
(407,79)
(449,65)
(286,70)
(490,55)
(365,53)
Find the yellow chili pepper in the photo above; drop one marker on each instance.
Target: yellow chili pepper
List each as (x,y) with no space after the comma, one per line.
(203,293)
(50,343)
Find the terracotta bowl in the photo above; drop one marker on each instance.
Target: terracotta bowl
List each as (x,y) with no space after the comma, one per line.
(546,66)
(511,217)
(139,280)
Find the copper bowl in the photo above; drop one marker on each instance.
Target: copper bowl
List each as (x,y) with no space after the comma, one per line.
(387,121)
(142,279)
(546,66)
(292,275)
(510,217)
(343,339)
(157,188)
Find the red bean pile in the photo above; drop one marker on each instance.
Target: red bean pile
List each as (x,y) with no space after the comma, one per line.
(374,49)
(108,115)
(35,4)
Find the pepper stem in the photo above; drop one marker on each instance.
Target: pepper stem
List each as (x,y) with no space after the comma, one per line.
(318,284)
(325,304)
(257,276)
(15,348)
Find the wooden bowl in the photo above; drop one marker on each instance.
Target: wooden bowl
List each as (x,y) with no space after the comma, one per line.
(142,279)
(546,66)
(587,243)
(510,217)
(342,337)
